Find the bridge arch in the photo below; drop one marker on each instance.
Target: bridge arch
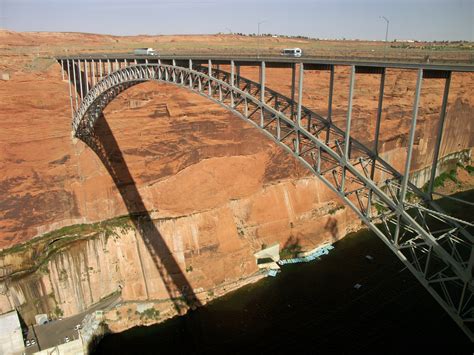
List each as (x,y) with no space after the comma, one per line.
(442,261)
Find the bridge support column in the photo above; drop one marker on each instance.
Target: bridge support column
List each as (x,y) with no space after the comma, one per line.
(293,77)
(411,140)
(298,111)
(86,72)
(62,69)
(439,137)
(174,73)
(238,75)
(232,79)
(262,92)
(75,83)
(93,79)
(347,136)
(190,75)
(209,71)
(80,79)
(331,90)
(70,90)
(109,67)
(376,138)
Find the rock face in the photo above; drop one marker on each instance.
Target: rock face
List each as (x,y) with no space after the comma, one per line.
(215,189)
(211,248)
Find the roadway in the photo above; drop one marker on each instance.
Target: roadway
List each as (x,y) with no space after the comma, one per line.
(278,61)
(53,333)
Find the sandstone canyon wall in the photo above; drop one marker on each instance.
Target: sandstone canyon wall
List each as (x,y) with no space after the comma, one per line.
(215,189)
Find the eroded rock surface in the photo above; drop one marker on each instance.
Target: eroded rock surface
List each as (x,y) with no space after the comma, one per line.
(216,189)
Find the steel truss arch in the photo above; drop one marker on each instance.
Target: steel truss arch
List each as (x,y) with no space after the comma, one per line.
(441,258)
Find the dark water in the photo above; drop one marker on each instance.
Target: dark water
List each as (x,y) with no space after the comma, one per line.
(311,308)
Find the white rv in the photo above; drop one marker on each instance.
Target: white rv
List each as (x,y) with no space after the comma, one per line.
(145,51)
(292,52)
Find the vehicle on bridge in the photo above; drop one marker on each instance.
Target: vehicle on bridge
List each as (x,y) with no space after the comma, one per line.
(292,52)
(145,51)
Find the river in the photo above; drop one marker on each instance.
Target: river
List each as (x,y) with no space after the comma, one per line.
(313,307)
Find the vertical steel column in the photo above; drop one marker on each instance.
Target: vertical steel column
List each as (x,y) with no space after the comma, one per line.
(238,75)
(439,137)
(100,69)
(298,112)
(75,83)
(190,75)
(70,91)
(93,73)
(80,80)
(376,137)
(330,96)
(62,69)
(349,114)
(209,63)
(412,136)
(117,64)
(411,140)
(232,75)
(293,77)
(406,175)
(347,136)
(174,72)
(379,115)
(262,91)
(86,65)
(109,67)
(331,91)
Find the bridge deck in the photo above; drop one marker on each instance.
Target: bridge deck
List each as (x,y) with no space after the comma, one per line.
(281,60)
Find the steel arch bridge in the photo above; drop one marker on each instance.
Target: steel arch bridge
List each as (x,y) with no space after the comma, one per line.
(401,214)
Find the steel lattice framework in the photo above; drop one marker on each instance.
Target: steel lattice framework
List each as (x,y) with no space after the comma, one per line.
(437,248)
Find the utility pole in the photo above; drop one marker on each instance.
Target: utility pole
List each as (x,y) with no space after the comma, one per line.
(258,39)
(386,35)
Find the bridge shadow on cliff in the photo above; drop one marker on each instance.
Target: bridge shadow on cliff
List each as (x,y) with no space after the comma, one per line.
(103,142)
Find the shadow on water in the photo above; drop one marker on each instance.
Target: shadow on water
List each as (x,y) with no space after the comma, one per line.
(103,143)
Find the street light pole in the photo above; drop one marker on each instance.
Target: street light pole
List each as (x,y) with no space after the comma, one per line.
(258,39)
(386,34)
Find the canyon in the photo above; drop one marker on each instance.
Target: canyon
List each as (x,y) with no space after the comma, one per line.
(207,183)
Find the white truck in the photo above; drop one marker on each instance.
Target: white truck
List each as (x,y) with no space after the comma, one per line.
(145,51)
